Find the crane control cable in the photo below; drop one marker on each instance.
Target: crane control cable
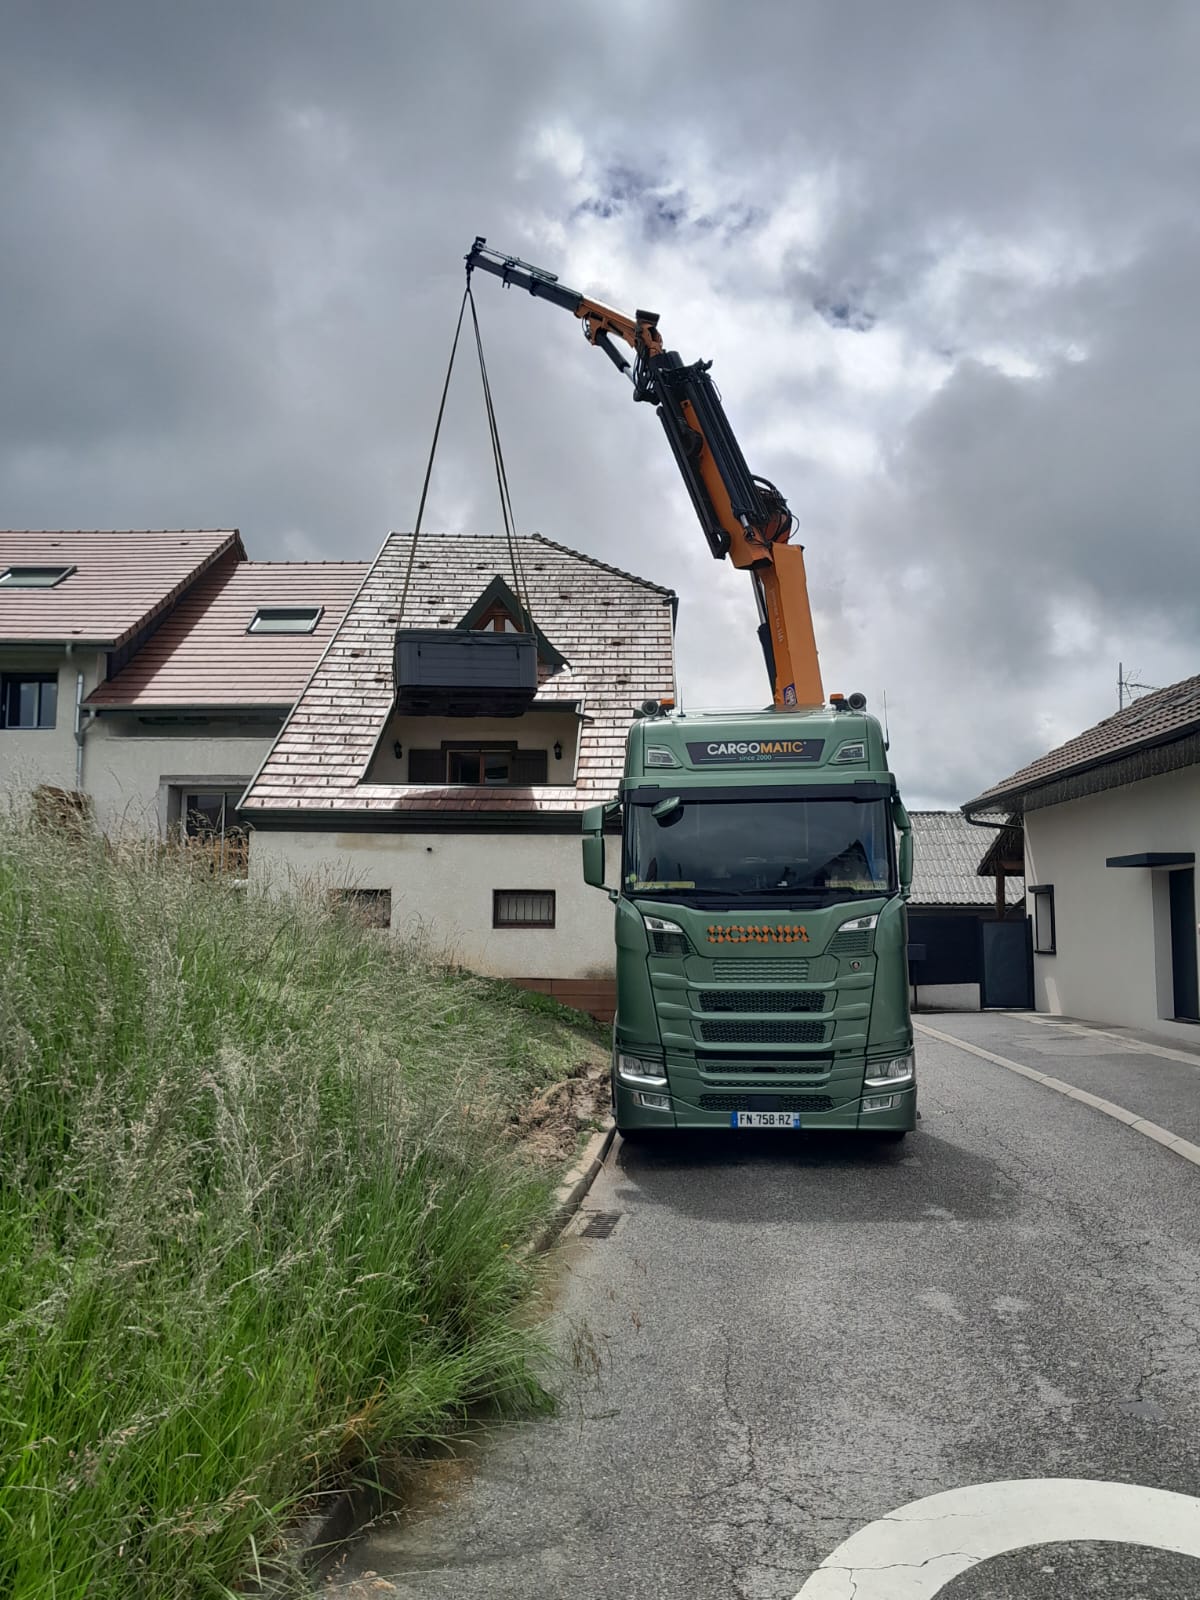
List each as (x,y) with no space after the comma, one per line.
(520,586)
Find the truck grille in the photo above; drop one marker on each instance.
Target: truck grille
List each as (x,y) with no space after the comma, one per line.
(762,1000)
(766,1102)
(761,1069)
(851,944)
(762,1032)
(669,944)
(780,969)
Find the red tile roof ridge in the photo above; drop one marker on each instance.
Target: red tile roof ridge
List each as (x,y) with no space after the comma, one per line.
(1155,718)
(42,533)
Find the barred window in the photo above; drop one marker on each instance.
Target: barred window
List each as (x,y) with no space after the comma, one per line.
(523,908)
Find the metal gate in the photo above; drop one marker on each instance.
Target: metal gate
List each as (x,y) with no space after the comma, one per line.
(1006,981)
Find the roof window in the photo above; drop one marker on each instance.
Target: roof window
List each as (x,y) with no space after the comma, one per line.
(33,577)
(286,619)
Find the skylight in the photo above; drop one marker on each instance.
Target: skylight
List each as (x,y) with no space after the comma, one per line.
(33,577)
(285,619)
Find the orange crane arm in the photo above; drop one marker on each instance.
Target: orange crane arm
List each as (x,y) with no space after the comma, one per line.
(744,518)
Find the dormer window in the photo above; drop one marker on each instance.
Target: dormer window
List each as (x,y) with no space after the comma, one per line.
(285,619)
(497,620)
(33,577)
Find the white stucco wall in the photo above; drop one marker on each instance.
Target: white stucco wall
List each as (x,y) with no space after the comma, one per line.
(29,757)
(1113,957)
(536,730)
(946,996)
(441,886)
(128,769)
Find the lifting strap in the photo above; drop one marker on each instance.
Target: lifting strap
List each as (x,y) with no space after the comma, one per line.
(520,587)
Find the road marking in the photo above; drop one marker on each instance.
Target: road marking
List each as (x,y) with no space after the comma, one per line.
(913,1553)
(1085,1030)
(1151,1130)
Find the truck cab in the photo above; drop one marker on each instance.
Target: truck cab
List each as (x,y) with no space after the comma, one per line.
(761,931)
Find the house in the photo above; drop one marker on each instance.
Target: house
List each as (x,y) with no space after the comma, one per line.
(1112,825)
(466,828)
(146,674)
(965,880)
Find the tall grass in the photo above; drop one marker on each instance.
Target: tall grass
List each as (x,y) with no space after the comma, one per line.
(257,1215)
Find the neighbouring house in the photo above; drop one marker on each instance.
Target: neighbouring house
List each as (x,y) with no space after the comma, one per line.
(145,675)
(462,828)
(966,881)
(1112,826)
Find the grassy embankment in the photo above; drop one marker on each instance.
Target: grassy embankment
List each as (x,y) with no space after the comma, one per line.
(259,1213)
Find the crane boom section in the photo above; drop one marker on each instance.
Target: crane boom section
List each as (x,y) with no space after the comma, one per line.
(744,517)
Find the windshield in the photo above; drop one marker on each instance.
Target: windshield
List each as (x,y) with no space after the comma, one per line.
(811,850)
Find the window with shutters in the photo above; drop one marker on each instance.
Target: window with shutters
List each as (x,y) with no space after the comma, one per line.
(498,765)
(523,908)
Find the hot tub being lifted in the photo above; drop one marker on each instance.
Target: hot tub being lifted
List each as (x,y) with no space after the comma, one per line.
(459,672)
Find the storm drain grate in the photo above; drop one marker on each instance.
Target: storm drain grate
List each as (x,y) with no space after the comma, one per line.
(600,1224)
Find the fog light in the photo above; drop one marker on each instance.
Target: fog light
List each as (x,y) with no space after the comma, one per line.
(653,1102)
(878,1102)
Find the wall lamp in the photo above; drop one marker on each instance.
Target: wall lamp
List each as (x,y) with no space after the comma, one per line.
(558,749)
(397,749)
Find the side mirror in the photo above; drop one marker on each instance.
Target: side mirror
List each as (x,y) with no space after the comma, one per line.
(593,846)
(905,861)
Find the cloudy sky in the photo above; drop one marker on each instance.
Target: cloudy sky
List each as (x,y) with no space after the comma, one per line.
(943,256)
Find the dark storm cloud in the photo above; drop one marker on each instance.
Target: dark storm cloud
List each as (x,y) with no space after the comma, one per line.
(941,255)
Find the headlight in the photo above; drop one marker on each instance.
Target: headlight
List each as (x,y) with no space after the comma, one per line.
(882,1074)
(666,938)
(636,1070)
(860,924)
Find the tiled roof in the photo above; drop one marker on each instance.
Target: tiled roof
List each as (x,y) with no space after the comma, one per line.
(121,581)
(947,851)
(615,631)
(1155,719)
(202,654)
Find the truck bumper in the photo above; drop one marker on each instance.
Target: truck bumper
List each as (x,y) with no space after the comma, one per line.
(632,1114)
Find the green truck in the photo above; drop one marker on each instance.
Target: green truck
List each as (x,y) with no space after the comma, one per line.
(766,857)
(761,932)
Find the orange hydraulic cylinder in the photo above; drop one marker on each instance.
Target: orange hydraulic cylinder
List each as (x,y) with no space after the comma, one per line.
(784,588)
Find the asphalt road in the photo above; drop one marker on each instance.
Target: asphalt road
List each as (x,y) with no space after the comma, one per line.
(770,1342)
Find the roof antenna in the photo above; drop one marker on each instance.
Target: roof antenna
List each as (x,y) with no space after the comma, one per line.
(887,737)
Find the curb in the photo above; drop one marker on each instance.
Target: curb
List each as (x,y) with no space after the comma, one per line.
(1149,1130)
(316,1538)
(574,1188)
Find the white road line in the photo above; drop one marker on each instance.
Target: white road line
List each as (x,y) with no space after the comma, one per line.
(1086,1030)
(1151,1130)
(913,1553)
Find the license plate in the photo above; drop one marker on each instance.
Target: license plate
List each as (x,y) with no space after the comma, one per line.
(763,1119)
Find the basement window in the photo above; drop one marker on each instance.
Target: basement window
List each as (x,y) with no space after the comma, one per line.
(33,577)
(286,619)
(370,907)
(1043,919)
(523,908)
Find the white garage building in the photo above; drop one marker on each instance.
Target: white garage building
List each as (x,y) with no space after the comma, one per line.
(1112,828)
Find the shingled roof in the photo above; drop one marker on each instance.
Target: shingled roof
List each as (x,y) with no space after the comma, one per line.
(203,655)
(947,851)
(1161,718)
(613,629)
(117,583)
